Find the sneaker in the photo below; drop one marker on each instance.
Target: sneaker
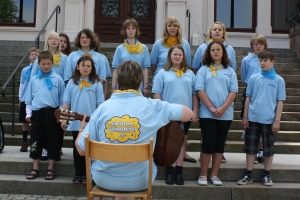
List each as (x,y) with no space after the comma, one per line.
(202,180)
(224,159)
(267,180)
(215,181)
(24,147)
(243,136)
(255,160)
(245,180)
(261,159)
(44,155)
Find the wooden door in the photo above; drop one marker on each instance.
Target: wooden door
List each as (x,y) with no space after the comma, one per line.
(110,15)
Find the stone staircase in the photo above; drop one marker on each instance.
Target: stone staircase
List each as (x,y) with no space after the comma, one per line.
(285,170)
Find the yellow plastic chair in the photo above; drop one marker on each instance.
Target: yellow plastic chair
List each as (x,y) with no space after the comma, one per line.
(117,153)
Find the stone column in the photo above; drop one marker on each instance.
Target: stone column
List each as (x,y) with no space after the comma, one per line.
(177,8)
(160,18)
(264,17)
(74,17)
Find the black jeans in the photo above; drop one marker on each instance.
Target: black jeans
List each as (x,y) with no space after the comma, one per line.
(79,161)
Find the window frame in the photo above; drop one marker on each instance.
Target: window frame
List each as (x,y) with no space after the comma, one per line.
(18,24)
(246,30)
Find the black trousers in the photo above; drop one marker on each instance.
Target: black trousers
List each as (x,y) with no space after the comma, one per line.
(79,161)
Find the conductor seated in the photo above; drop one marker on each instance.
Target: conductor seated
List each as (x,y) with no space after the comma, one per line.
(127,118)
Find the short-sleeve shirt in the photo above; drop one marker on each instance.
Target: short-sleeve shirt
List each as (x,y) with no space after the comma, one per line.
(84,101)
(159,54)
(24,82)
(174,89)
(125,119)
(217,89)
(264,94)
(249,66)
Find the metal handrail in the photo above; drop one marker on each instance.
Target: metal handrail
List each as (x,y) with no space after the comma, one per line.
(12,76)
(293,17)
(189,15)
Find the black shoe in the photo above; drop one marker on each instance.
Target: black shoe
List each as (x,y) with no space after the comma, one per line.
(179,180)
(169,179)
(261,159)
(77,179)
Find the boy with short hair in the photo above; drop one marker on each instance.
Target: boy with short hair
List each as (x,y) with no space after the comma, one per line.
(43,96)
(250,66)
(263,107)
(24,79)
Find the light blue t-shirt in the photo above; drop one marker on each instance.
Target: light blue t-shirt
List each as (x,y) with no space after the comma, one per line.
(24,83)
(121,54)
(59,70)
(107,67)
(197,61)
(84,101)
(38,95)
(99,61)
(125,118)
(174,89)
(217,89)
(159,54)
(264,95)
(249,66)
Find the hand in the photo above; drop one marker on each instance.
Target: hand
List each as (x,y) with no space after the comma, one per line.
(63,124)
(245,123)
(83,123)
(28,119)
(195,117)
(220,112)
(275,126)
(212,109)
(145,92)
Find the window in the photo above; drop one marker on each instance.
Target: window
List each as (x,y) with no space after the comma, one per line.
(236,15)
(284,13)
(17,12)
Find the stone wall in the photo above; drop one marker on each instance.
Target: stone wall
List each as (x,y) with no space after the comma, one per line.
(295,39)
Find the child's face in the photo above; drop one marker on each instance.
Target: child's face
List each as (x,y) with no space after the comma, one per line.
(172,30)
(63,43)
(53,41)
(85,68)
(217,32)
(46,65)
(130,31)
(33,56)
(216,53)
(84,40)
(257,47)
(265,64)
(176,57)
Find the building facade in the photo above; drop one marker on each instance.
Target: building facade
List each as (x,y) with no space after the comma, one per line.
(243,18)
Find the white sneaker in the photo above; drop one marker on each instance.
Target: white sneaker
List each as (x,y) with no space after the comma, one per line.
(202,180)
(215,181)
(243,136)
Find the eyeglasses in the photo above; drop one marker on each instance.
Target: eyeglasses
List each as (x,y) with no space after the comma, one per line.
(34,54)
(55,39)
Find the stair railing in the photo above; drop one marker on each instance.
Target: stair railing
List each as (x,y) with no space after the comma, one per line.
(13,74)
(294,18)
(189,15)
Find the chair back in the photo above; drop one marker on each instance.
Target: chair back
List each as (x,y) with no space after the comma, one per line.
(118,153)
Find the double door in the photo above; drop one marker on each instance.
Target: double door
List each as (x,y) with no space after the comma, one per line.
(110,15)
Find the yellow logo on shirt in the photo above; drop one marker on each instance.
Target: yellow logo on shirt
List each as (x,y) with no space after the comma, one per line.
(122,128)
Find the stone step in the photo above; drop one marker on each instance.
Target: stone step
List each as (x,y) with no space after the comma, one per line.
(276,58)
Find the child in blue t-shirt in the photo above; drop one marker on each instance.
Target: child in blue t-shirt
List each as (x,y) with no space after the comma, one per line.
(83,94)
(263,107)
(25,77)
(250,66)
(43,96)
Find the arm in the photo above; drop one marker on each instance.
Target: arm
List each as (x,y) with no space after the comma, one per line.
(156,96)
(63,123)
(153,69)
(245,121)
(204,98)
(106,88)
(221,110)
(114,80)
(187,114)
(276,123)
(83,124)
(195,108)
(145,88)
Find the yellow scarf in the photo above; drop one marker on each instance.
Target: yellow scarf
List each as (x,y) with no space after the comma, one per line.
(179,72)
(129,90)
(56,60)
(84,83)
(171,41)
(89,55)
(211,40)
(134,49)
(213,70)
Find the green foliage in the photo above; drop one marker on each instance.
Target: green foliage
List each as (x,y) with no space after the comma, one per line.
(8,11)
